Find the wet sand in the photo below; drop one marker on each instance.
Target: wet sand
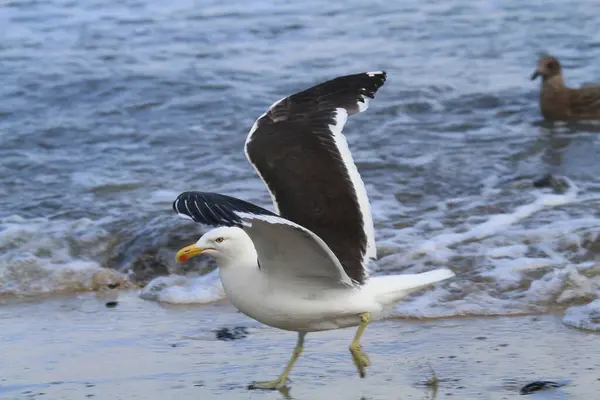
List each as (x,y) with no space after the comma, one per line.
(76,348)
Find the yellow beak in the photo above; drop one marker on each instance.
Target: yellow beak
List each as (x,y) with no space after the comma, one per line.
(188,252)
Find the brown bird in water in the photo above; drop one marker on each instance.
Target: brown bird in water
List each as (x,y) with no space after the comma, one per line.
(561,103)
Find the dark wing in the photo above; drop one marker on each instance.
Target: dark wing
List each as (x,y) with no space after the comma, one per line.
(215,209)
(283,247)
(298,149)
(585,102)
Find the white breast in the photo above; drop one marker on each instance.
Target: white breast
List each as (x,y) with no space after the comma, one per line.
(281,305)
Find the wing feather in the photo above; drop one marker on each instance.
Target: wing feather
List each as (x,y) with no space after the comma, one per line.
(298,150)
(283,247)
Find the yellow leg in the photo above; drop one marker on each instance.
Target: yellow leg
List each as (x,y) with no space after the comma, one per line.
(281,381)
(361,360)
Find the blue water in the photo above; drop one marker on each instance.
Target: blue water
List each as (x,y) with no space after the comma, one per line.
(109,109)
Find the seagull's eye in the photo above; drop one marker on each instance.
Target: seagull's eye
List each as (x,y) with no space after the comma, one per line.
(219,239)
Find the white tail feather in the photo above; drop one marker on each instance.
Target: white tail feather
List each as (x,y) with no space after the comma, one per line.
(390,289)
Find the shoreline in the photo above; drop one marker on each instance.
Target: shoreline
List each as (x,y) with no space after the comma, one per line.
(145,350)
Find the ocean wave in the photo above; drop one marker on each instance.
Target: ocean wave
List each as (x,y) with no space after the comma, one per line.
(41,256)
(585,317)
(508,263)
(530,258)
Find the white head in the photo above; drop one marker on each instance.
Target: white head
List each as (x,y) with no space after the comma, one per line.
(227,245)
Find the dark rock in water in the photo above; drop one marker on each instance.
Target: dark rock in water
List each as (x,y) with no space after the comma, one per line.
(111,304)
(147,266)
(539,385)
(558,184)
(147,248)
(239,332)
(544,182)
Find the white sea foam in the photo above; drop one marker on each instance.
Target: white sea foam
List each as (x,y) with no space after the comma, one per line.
(421,160)
(520,263)
(528,259)
(177,289)
(40,256)
(584,317)
(498,222)
(163,196)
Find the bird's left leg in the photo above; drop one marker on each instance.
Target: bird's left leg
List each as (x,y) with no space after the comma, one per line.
(280,382)
(361,360)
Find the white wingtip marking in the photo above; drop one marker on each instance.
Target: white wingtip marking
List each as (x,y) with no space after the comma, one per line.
(184,216)
(373,73)
(341,118)
(364,104)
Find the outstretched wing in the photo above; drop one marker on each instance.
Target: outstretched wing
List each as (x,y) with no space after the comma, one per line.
(298,149)
(283,247)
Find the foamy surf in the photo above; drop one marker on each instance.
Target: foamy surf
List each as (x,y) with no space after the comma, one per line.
(511,263)
(584,317)
(527,258)
(40,256)
(497,223)
(530,259)
(177,289)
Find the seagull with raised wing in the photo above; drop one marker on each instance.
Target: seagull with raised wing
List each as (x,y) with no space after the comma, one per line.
(304,267)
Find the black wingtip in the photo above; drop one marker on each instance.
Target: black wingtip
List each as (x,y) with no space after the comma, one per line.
(376,81)
(215,209)
(381,75)
(178,205)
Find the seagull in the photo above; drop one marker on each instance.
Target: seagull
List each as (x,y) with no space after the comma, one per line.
(304,267)
(561,103)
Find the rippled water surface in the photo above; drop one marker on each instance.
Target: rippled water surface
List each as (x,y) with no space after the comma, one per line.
(109,109)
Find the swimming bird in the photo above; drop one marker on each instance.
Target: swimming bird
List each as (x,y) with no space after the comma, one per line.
(304,267)
(561,103)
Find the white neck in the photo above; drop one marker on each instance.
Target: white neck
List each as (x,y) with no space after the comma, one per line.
(238,268)
(244,285)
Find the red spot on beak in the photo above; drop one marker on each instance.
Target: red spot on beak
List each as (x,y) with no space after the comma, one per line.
(183,258)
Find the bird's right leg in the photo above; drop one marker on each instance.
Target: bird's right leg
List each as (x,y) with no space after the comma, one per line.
(361,360)
(281,381)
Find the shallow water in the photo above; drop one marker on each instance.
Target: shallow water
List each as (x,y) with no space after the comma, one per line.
(142,350)
(108,110)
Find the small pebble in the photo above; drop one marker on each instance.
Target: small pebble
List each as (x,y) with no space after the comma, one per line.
(239,332)
(539,385)
(111,304)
